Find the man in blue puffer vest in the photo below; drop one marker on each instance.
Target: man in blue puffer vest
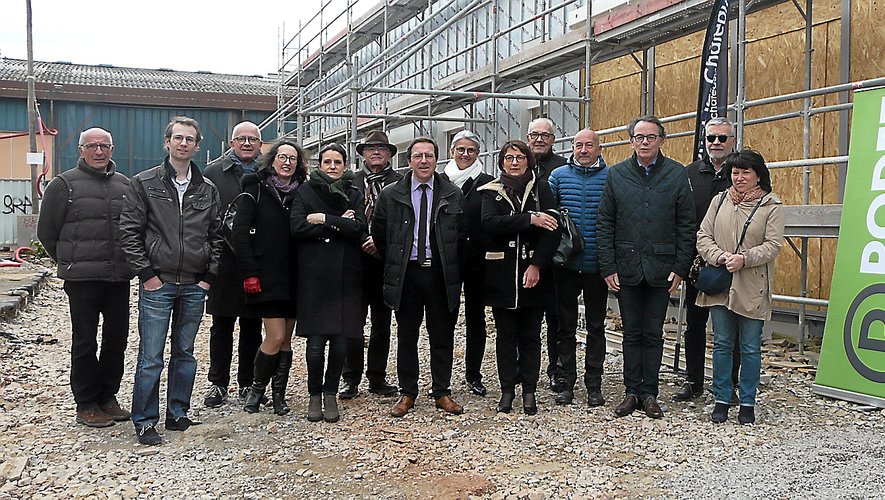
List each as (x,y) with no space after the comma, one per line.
(578,187)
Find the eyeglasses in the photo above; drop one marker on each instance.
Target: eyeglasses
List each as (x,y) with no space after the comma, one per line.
(540,135)
(287,159)
(178,138)
(421,156)
(242,139)
(722,138)
(376,147)
(643,137)
(93,147)
(512,158)
(461,150)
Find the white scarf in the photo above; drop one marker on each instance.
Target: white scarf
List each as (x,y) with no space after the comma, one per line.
(458,176)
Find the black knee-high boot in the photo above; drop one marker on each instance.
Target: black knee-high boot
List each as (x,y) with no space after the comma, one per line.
(281,382)
(265,365)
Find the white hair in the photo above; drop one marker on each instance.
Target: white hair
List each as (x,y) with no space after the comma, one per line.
(233,132)
(469,135)
(719,120)
(84,133)
(548,121)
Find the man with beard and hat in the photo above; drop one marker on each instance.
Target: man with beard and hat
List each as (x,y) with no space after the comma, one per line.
(376,173)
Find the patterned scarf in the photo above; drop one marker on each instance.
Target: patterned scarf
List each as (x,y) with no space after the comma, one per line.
(374,184)
(249,168)
(751,195)
(286,191)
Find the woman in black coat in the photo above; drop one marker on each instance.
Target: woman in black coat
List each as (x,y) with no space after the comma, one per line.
(522,241)
(465,170)
(266,259)
(328,221)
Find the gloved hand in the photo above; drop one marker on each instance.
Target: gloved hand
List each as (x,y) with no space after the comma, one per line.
(252,285)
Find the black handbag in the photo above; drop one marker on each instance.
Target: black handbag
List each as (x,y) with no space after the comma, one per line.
(713,280)
(571,242)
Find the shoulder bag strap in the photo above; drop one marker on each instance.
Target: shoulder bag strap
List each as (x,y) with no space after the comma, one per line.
(747,224)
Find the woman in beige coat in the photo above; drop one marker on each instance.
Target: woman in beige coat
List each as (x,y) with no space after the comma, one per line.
(740,312)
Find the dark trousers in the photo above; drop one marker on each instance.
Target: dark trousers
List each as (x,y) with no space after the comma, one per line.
(551,312)
(375,360)
(475,322)
(696,341)
(315,356)
(643,310)
(570,284)
(423,291)
(95,377)
(518,347)
(221,345)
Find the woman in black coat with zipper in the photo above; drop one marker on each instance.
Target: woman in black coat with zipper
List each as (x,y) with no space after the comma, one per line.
(522,241)
(328,221)
(266,258)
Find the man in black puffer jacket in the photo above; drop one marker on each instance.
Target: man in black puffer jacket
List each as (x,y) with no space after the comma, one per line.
(421,270)
(646,236)
(79,228)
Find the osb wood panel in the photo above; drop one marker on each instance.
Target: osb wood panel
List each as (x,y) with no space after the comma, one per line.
(614,104)
(867,39)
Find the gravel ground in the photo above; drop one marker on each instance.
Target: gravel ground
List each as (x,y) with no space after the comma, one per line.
(802,445)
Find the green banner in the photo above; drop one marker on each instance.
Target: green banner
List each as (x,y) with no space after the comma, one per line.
(852,358)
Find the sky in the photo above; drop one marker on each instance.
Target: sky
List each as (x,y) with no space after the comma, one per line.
(181,35)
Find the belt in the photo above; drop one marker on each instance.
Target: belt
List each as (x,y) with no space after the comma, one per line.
(427,263)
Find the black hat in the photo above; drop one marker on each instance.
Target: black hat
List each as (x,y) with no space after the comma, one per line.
(376,138)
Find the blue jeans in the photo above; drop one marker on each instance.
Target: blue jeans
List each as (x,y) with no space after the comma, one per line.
(183,304)
(728,328)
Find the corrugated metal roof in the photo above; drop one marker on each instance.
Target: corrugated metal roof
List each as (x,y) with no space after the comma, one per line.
(65,73)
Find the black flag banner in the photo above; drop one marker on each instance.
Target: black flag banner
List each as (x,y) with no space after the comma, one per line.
(713,82)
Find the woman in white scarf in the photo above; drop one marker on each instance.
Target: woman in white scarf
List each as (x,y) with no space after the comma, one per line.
(466,171)
(465,162)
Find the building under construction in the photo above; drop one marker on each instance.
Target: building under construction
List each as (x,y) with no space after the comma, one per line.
(434,68)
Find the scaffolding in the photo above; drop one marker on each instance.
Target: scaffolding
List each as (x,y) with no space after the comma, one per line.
(425,67)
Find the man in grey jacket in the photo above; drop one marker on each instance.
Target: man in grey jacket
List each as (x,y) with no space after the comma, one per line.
(170,235)
(87,200)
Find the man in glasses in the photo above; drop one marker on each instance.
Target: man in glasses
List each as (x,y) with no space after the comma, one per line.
(376,172)
(169,232)
(79,226)
(540,139)
(226,297)
(417,228)
(707,180)
(646,236)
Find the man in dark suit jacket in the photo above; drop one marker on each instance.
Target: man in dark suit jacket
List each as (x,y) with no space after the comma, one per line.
(417,228)
(645,229)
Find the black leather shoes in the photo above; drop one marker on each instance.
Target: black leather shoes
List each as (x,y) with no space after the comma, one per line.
(555,384)
(349,390)
(688,391)
(506,403)
(529,403)
(594,397)
(630,403)
(652,408)
(381,387)
(565,397)
(477,387)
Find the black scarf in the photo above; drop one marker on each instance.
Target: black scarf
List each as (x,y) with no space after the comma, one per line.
(333,190)
(515,186)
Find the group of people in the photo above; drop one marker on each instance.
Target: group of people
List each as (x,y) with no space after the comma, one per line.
(264,239)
